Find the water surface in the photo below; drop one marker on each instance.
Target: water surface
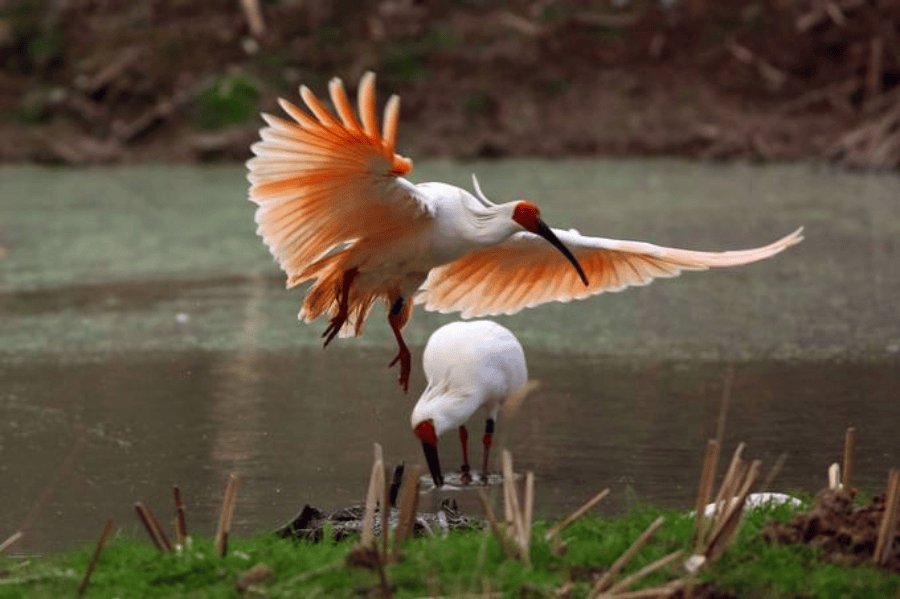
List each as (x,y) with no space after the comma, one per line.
(146,339)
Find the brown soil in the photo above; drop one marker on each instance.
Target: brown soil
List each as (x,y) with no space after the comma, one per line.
(99,81)
(846,532)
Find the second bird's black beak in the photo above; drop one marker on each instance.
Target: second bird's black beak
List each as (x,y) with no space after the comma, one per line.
(547,233)
(434,466)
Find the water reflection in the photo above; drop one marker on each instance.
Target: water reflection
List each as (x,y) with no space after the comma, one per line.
(298,426)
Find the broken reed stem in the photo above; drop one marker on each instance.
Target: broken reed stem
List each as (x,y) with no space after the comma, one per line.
(529,509)
(376,483)
(225,516)
(495,526)
(728,523)
(512,499)
(727,384)
(834,476)
(385,586)
(732,476)
(606,580)
(409,506)
(520,532)
(632,578)
(774,471)
(101,542)
(576,514)
(12,540)
(180,522)
(849,447)
(152,525)
(707,477)
(514,401)
(889,520)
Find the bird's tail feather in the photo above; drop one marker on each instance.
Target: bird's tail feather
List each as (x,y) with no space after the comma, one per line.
(323,298)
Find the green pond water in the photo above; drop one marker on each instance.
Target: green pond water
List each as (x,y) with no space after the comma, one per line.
(146,339)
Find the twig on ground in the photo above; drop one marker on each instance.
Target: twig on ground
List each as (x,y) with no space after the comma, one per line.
(181,533)
(12,540)
(153,528)
(849,448)
(225,517)
(553,532)
(606,580)
(101,542)
(889,520)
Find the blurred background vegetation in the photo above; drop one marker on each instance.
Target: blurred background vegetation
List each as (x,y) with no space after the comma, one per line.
(88,81)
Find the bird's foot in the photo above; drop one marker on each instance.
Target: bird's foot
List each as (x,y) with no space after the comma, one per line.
(465,475)
(334,328)
(405,359)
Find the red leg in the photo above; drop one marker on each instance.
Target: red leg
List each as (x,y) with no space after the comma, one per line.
(343,309)
(403,355)
(464,440)
(487,441)
(397,317)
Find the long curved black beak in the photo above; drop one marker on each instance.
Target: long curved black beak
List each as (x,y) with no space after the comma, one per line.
(547,233)
(434,466)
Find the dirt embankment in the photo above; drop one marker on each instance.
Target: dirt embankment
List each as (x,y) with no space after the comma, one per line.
(86,81)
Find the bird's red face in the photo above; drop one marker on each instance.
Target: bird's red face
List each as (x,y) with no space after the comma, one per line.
(427,435)
(528,216)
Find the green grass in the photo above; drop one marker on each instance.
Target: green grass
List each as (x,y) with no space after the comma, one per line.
(463,562)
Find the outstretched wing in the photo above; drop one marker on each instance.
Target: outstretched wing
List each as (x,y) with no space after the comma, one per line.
(323,181)
(526,271)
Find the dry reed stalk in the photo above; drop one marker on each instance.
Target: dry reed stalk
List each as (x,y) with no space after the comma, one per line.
(834,476)
(101,542)
(732,475)
(376,484)
(707,477)
(511,497)
(553,532)
(181,533)
(225,517)
(253,13)
(12,540)
(147,520)
(774,471)
(632,578)
(495,526)
(727,525)
(382,576)
(727,384)
(409,506)
(529,507)
(158,530)
(606,580)
(849,449)
(521,533)
(513,402)
(889,520)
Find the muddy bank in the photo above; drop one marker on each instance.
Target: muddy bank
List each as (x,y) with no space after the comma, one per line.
(86,81)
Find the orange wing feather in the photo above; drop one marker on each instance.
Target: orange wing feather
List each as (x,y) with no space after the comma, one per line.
(318,180)
(526,271)
(326,183)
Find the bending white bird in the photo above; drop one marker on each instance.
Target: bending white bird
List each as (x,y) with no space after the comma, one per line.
(468,365)
(335,208)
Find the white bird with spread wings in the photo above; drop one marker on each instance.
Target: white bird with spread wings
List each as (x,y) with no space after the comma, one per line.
(335,209)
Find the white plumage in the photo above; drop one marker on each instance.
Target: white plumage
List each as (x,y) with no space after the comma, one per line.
(468,365)
(334,208)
